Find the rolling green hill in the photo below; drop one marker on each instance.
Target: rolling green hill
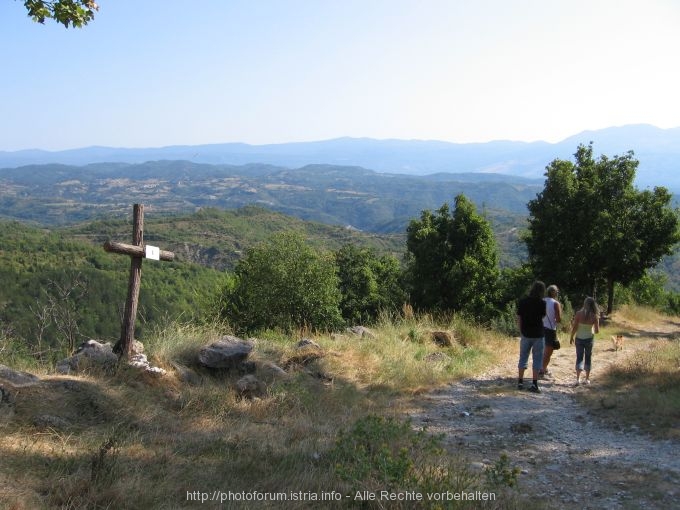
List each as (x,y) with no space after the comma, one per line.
(216,238)
(43,273)
(66,269)
(381,205)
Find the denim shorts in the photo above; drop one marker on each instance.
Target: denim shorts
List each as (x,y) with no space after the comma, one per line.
(536,347)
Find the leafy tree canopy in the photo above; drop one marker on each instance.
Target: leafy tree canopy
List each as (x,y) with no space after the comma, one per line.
(283,283)
(591,227)
(75,13)
(453,260)
(368,283)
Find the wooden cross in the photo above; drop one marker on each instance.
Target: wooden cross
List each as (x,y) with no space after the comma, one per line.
(137,251)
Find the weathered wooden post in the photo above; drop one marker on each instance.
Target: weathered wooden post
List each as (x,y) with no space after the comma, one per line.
(137,251)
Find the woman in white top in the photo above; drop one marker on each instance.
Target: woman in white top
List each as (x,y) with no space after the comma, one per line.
(586,324)
(553,316)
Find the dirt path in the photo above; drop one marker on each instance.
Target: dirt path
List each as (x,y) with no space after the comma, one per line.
(568,458)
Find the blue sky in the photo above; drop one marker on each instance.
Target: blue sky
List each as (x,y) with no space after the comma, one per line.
(168,72)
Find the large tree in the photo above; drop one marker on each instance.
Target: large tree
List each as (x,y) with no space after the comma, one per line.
(75,13)
(591,228)
(453,260)
(369,283)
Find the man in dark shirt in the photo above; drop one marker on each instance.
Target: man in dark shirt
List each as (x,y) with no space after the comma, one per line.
(530,312)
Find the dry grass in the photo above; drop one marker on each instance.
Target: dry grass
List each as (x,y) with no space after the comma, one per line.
(642,393)
(639,315)
(132,442)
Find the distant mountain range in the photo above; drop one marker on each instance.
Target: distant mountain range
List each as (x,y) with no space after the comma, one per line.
(658,151)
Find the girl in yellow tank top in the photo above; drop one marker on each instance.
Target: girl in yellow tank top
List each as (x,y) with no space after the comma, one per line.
(586,324)
(584,331)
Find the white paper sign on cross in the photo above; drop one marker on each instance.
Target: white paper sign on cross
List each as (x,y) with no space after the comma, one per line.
(153,252)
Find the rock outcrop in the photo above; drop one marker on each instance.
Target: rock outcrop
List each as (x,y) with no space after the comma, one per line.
(229,352)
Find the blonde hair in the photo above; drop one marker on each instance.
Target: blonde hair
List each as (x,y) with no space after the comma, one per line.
(590,308)
(552,291)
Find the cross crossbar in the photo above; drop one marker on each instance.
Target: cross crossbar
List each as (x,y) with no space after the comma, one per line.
(134,251)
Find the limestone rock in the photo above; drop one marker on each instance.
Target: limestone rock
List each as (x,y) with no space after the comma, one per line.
(249,386)
(90,353)
(306,351)
(17,378)
(306,342)
(47,421)
(185,374)
(139,361)
(227,352)
(361,331)
(271,372)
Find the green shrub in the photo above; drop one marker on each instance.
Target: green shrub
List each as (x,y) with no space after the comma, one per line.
(284,283)
(502,473)
(380,453)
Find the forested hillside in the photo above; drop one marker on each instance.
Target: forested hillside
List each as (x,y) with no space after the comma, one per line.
(352,197)
(53,286)
(335,195)
(217,239)
(59,283)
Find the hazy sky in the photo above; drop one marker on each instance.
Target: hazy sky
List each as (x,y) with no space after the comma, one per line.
(151,73)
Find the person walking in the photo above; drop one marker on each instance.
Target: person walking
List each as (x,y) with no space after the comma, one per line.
(553,316)
(530,312)
(584,327)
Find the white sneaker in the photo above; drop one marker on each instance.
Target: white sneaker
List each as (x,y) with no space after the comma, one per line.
(577,383)
(587,381)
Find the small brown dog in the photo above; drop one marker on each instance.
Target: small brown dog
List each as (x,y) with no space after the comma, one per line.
(617,341)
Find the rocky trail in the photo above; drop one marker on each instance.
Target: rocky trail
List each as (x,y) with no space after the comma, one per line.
(568,457)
